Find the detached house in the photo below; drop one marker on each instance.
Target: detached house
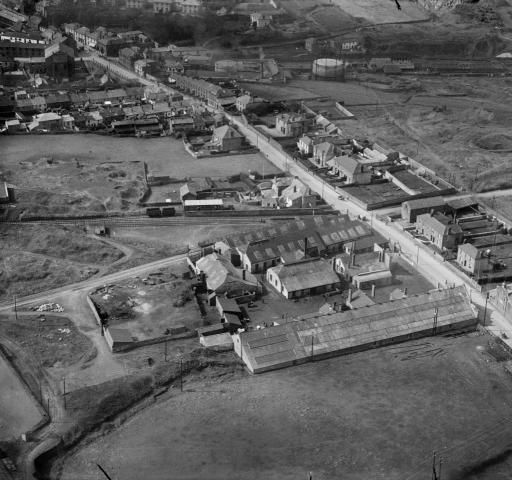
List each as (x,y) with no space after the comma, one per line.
(293,124)
(298,195)
(226,138)
(306,145)
(350,170)
(323,152)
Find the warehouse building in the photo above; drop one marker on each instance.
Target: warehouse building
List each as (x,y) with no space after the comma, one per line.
(315,336)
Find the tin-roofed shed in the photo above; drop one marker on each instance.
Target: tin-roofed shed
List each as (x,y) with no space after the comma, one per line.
(318,336)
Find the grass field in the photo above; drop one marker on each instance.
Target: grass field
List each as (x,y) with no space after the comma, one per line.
(164,156)
(376,414)
(35,258)
(18,412)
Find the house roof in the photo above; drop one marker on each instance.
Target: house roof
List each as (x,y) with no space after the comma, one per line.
(422,203)
(220,273)
(226,132)
(324,148)
(47,117)
(361,263)
(296,189)
(343,332)
(461,203)
(359,300)
(439,223)
(368,242)
(344,163)
(228,305)
(120,335)
(305,274)
(329,229)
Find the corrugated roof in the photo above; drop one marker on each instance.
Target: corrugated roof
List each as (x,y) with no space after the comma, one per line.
(338,332)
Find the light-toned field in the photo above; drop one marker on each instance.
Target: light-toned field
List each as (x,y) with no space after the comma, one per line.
(382,11)
(18,412)
(377,414)
(164,156)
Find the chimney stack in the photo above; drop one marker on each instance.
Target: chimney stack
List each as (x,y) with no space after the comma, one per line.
(373,289)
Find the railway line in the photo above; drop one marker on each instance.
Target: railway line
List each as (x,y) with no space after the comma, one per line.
(138,222)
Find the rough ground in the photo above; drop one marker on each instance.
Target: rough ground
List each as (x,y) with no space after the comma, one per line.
(60,179)
(39,257)
(376,414)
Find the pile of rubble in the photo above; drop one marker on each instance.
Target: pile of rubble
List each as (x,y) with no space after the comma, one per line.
(49,307)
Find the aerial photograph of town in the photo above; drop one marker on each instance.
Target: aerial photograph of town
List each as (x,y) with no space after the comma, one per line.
(255,240)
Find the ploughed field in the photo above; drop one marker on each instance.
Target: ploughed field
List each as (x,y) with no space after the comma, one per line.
(377,414)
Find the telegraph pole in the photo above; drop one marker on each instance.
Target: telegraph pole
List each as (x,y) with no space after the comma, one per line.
(485,309)
(103,471)
(181,374)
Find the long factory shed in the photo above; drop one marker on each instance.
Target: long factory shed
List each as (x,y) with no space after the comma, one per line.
(317,336)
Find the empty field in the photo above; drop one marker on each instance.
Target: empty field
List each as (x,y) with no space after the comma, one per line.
(18,412)
(164,156)
(377,414)
(40,257)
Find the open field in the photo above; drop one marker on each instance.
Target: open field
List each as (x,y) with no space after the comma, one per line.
(53,340)
(376,414)
(38,257)
(63,178)
(164,156)
(18,412)
(149,307)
